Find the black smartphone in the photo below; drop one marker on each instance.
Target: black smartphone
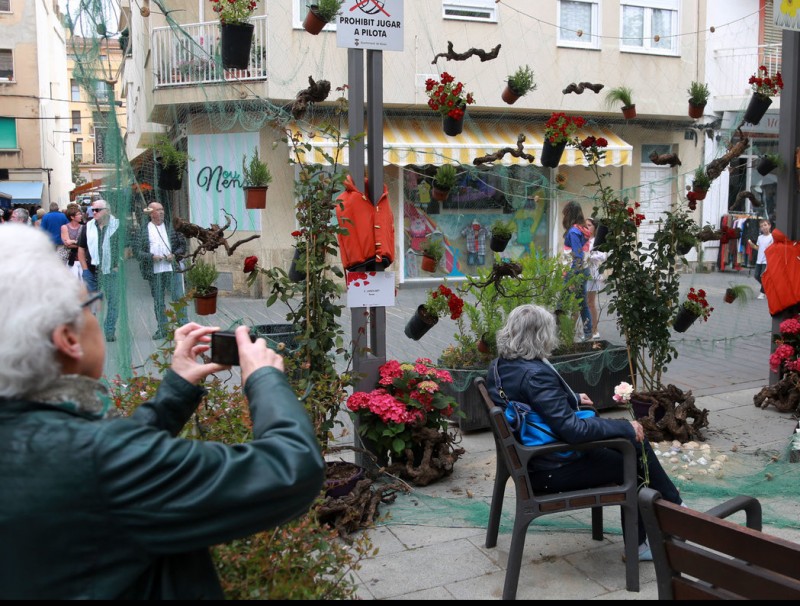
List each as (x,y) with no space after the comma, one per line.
(224,349)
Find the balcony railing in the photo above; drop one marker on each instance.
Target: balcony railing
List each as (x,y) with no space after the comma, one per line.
(733,67)
(190,55)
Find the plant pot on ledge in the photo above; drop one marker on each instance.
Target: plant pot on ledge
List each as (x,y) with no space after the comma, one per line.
(206,304)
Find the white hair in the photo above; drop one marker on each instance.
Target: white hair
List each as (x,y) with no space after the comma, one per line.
(529,333)
(39,294)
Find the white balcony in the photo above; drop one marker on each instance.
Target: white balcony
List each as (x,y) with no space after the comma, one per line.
(190,56)
(732,67)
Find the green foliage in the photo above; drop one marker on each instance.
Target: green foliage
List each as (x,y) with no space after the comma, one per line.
(698,93)
(521,81)
(433,247)
(326,9)
(201,276)
(701,178)
(741,293)
(502,228)
(167,154)
(256,173)
(775,159)
(620,94)
(445,177)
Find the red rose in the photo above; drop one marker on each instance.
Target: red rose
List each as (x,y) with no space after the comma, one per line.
(250,264)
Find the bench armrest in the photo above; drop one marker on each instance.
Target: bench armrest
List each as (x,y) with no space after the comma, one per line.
(749,505)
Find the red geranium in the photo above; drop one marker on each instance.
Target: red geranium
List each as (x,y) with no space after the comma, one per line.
(447,96)
(250,264)
(697,303)
(561,127)
(764,84)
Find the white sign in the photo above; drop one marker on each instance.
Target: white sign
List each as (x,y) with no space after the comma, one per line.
(370,24)
(370,288)
(786,15)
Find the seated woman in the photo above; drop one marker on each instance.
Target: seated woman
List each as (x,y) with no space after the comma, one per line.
(523,345)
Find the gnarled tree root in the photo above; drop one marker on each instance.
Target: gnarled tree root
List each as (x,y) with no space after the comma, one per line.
(439,454)
(784,395)
(682,420)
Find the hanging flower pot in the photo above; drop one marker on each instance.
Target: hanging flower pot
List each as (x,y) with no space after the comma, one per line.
(205,305)
(696,111)
(453,127)
(509,96)
(551,153)
(170,177)
(438,193)
(420,323)
(683,248)
(499,243)
(235,42)
(684,319)
(313,23)
(758,106)
(730,296)
(428,263)
(629,112)
(483,344)
(699,192)
(600,234)
(297,272)
(255,197)
(765,166)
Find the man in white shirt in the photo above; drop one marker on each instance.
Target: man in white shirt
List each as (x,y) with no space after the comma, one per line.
(764,241)
(159,252)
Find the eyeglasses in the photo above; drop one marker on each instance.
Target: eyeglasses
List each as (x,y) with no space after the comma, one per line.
(94,303)
(97,210)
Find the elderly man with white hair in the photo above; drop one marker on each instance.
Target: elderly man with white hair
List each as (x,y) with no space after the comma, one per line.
(101,507)
(20,215)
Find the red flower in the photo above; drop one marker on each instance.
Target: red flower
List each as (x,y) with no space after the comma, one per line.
(250,264)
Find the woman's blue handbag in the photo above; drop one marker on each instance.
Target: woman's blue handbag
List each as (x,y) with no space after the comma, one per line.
(529,427)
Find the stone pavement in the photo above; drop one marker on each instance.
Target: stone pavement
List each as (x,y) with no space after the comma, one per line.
(431,542)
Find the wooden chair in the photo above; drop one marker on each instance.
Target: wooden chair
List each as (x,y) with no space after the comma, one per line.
(700,556)
(512,462)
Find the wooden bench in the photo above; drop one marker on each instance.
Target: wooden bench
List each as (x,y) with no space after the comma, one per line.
(701,556)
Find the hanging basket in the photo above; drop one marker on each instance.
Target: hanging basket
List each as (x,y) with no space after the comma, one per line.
(758,106)
(255,197)
(451,126)
(684,320)
(699,193)
(499,243)
(235,42)
(509,96)
(170,177)
(551,153)
(696,111)
(438,193)
(629,112)
(420,323)
(765,166)
(313,24)
(206,305)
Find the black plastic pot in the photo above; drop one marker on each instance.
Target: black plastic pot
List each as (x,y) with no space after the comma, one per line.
(235,42)
(551,154)
(420,323)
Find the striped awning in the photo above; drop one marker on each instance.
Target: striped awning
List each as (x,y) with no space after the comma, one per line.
(421,141)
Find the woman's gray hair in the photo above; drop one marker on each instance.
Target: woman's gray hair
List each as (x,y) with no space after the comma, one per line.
(38,294)
(530,332)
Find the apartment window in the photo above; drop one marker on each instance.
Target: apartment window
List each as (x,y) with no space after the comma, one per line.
(76,121)
(579,23)
(470,10)
(77,151)
(8,133)
(649,26)
(6,64)
(5,6)
(75,91)
(102,91)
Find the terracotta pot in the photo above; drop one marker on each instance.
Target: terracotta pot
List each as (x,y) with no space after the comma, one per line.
(483,345)
(629,112)
(551,153)
(420,323)
(684,320)
(730,296)
(451,126)
(700,193)
(428,264)
(696,111)
(312,23)
(438,193)
(758,106)
(498,243)
(205,305)
(235,42)
(509,96)
(255,197)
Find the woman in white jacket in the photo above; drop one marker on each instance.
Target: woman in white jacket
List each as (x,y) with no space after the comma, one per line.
(595,284)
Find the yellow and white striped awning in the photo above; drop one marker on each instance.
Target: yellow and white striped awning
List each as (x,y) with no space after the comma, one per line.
(422,141)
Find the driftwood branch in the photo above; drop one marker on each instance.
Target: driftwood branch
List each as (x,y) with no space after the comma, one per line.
(715,167)
(451,55)
(581,86)
(517,153)
(209,238)
(315,93)
(662,159)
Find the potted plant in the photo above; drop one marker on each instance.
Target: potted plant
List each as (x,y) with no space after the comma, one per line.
(767,163)
(558,131)
(256,180)
(320,14)
(501,234)
(200,278)
(440,302)
(432,252)
(519,84)
(405,420)
(698,98)
(738,292)
(765,86)
(701,183)
(443,182)
(236,31)
(624,96)
(694,306)
(449,98)
(171,162)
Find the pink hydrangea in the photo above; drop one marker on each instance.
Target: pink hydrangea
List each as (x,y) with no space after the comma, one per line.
(790,327)
(389,372)
(358,401)
(428,386)
(444,376)
(389,409)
